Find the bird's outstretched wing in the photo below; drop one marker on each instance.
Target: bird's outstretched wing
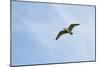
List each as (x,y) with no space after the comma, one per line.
(72,26)
(61,33)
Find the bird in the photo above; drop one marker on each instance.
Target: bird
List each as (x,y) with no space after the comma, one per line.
(67,30)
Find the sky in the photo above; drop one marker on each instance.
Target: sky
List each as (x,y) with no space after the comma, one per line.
(36,25)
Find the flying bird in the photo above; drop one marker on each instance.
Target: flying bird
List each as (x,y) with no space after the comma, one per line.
(67,30)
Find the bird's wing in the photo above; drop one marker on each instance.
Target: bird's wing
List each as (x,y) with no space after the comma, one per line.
(72,26)
(61,33)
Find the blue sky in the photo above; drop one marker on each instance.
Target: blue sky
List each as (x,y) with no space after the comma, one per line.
(36,25)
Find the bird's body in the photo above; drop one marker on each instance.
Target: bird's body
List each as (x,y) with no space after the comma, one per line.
(66,30)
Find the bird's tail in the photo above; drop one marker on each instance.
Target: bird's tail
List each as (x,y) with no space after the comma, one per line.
(71,33)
